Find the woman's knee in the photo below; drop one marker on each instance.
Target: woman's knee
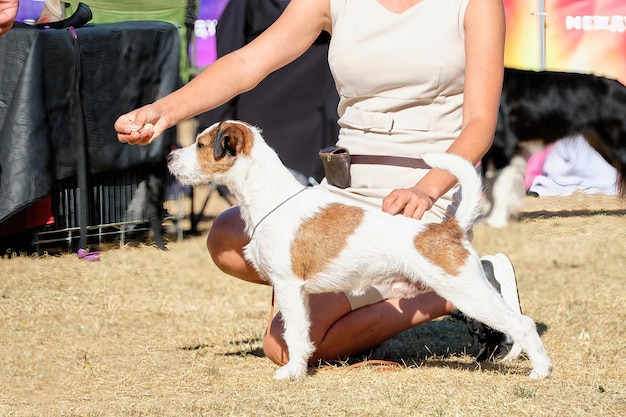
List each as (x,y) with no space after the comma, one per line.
(225,244)
(226,231)
(226,236)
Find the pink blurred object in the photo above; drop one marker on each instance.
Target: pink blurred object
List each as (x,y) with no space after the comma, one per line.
(88,256)
(534,166)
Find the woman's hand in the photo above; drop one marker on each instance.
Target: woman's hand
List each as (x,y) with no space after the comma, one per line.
(8,11)
(410,202)
(141,126)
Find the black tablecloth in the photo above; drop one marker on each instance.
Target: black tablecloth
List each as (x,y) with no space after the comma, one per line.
(60,93)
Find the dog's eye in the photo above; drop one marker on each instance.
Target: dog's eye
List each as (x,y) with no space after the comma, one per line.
(200,145)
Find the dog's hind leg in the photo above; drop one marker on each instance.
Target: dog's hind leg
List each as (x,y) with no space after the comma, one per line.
(294,308)
(525,335)
(522,330)
(477,299)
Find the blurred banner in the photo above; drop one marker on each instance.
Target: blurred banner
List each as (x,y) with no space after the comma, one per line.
(28,11)
(203,51)
(586,36)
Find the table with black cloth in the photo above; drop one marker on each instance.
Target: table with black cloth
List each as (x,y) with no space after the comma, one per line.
(61,91)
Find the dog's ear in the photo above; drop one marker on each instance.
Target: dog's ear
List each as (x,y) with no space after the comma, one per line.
(218,147)
(228,141)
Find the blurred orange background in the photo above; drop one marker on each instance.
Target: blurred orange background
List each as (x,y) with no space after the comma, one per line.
(587,36)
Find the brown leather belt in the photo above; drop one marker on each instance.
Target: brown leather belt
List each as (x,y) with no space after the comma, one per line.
(400,161)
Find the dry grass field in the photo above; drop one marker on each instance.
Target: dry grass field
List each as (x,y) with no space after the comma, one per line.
(146,332)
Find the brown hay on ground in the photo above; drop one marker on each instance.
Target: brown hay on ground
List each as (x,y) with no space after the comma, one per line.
(145,332)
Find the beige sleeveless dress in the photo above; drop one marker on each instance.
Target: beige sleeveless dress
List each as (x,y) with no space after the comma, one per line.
(400,82)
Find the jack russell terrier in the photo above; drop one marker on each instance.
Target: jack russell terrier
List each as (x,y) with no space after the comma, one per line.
(306,240)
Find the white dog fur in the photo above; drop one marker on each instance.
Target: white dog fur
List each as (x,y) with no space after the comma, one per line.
(504,193)
(305,240)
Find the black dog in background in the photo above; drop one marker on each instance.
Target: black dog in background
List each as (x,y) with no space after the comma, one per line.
(549,105)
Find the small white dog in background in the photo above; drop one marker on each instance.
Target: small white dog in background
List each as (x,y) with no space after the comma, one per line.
(504,193)
(306,240)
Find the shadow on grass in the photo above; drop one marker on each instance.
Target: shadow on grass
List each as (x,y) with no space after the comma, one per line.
(247,348)
(442,343)
(546,214)
(258,352)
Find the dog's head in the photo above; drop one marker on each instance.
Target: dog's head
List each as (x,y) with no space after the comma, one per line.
(213,154)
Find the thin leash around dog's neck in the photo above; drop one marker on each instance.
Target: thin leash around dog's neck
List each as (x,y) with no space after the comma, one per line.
(274,209)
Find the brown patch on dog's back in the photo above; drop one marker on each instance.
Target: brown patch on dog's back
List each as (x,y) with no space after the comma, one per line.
(322,237)
(442,244)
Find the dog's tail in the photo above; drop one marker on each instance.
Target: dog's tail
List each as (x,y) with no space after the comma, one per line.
(471,184)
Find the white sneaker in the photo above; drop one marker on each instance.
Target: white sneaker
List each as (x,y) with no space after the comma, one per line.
(504,274)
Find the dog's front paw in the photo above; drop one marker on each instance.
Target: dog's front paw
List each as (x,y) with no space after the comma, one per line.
(290,372)
(541,372)
(542,367)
